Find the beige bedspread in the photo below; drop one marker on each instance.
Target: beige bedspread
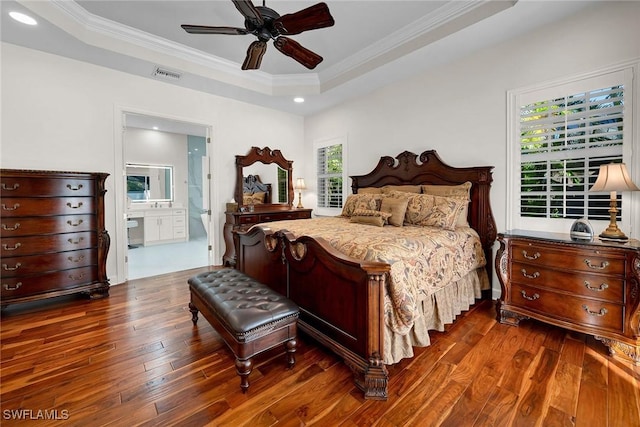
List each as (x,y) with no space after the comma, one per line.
(423,260)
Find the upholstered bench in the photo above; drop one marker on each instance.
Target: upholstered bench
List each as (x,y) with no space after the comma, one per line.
(250,316)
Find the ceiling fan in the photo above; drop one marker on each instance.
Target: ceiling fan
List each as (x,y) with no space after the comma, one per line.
(267,24)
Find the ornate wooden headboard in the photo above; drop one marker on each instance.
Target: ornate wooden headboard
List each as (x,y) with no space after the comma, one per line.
(428,168)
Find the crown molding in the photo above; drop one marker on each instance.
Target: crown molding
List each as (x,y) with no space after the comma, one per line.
(97,31)
(410,38)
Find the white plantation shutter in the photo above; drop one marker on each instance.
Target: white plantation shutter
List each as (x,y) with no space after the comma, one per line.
(563,142)
(330,175)
(559,135)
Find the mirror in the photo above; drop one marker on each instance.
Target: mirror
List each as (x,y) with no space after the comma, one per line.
(270,168)
(149,183)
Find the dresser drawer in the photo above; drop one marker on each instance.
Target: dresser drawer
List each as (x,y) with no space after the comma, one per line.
(248,219)
(13,287)
(16,226)
(35,264)
(569,308)
(18,207)
(581,284)
(583,259)
(30,245)
(34,187)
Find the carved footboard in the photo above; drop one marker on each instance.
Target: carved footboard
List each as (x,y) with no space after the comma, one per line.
(340,298)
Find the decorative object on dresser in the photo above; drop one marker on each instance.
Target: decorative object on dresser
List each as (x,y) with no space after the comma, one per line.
(588,287)
(345,299)
(613,177)
(255,198)
(54,240)
(300,185)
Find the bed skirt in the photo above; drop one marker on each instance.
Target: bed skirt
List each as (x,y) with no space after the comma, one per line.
(438,310)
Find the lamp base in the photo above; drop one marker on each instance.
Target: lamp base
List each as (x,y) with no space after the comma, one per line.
(613,235)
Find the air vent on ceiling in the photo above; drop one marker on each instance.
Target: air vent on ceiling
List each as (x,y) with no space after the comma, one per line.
(166,74)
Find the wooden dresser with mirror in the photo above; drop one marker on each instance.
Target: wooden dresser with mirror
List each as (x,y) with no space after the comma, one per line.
(263,193)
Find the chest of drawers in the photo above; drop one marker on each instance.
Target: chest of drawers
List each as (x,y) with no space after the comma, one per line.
(53,237)
(242,221)
(589,287)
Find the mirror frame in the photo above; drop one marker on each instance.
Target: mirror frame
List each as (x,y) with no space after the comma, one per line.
(149,166)
(266,156)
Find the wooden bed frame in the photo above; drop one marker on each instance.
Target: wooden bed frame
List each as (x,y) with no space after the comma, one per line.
(341,298)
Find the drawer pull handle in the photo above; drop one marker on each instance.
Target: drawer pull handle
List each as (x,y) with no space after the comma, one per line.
(15,187)
(14,228)
(530,298)
(76,242)
(7,268)
(76,206)
(535,274)
(76,224)
(80,258)
(527,256)
(7,208)
(12,287)
(78,277)
(600,313)
(600,288)
(602,266)
(76,188)
(7,248)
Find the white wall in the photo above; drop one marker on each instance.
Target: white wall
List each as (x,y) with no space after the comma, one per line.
(62,114)
(459,109)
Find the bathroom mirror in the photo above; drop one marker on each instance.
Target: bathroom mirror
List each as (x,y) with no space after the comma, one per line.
(149,183)
(272,168)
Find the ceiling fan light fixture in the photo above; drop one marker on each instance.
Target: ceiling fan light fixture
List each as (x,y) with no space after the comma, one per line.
(22,18)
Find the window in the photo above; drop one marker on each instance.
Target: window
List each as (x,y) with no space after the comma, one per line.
(561,135)
(330,176)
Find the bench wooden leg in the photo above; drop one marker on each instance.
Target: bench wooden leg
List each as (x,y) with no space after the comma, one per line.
(290,346)
(244,368)
(194,313)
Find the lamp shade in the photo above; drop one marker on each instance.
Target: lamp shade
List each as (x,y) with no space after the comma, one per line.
(614,177)
(300,185)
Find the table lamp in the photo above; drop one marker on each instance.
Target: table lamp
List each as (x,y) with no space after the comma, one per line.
(300,185)
(613,177)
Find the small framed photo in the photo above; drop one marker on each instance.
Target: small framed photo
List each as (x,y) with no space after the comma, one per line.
(581,229)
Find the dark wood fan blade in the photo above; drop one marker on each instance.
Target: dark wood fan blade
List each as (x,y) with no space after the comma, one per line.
(203,29)
(311,18)
(254,55)
(295,50)
(249,11)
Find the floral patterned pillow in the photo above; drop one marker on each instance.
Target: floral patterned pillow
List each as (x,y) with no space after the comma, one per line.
(434,211)
(361,201)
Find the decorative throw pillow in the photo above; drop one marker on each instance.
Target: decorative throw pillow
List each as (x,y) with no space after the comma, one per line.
(369,220)
(434,211)
(462,190)
(371,212)
(370,190)
(253,199)
(403,188)
(397,207)
(360,201)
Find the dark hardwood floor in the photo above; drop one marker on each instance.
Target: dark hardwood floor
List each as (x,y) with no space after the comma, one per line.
(136,359)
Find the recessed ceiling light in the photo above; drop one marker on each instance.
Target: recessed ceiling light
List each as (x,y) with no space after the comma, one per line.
(155,128)
(298,99)
(21,17)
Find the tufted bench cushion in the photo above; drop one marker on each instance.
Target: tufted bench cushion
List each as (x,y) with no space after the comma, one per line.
(250,316)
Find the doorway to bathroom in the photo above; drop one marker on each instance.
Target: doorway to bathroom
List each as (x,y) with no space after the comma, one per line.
(167,191)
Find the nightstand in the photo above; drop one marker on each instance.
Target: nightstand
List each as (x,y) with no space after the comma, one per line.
(591,287)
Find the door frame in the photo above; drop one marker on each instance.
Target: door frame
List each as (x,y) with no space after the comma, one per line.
(120,249)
